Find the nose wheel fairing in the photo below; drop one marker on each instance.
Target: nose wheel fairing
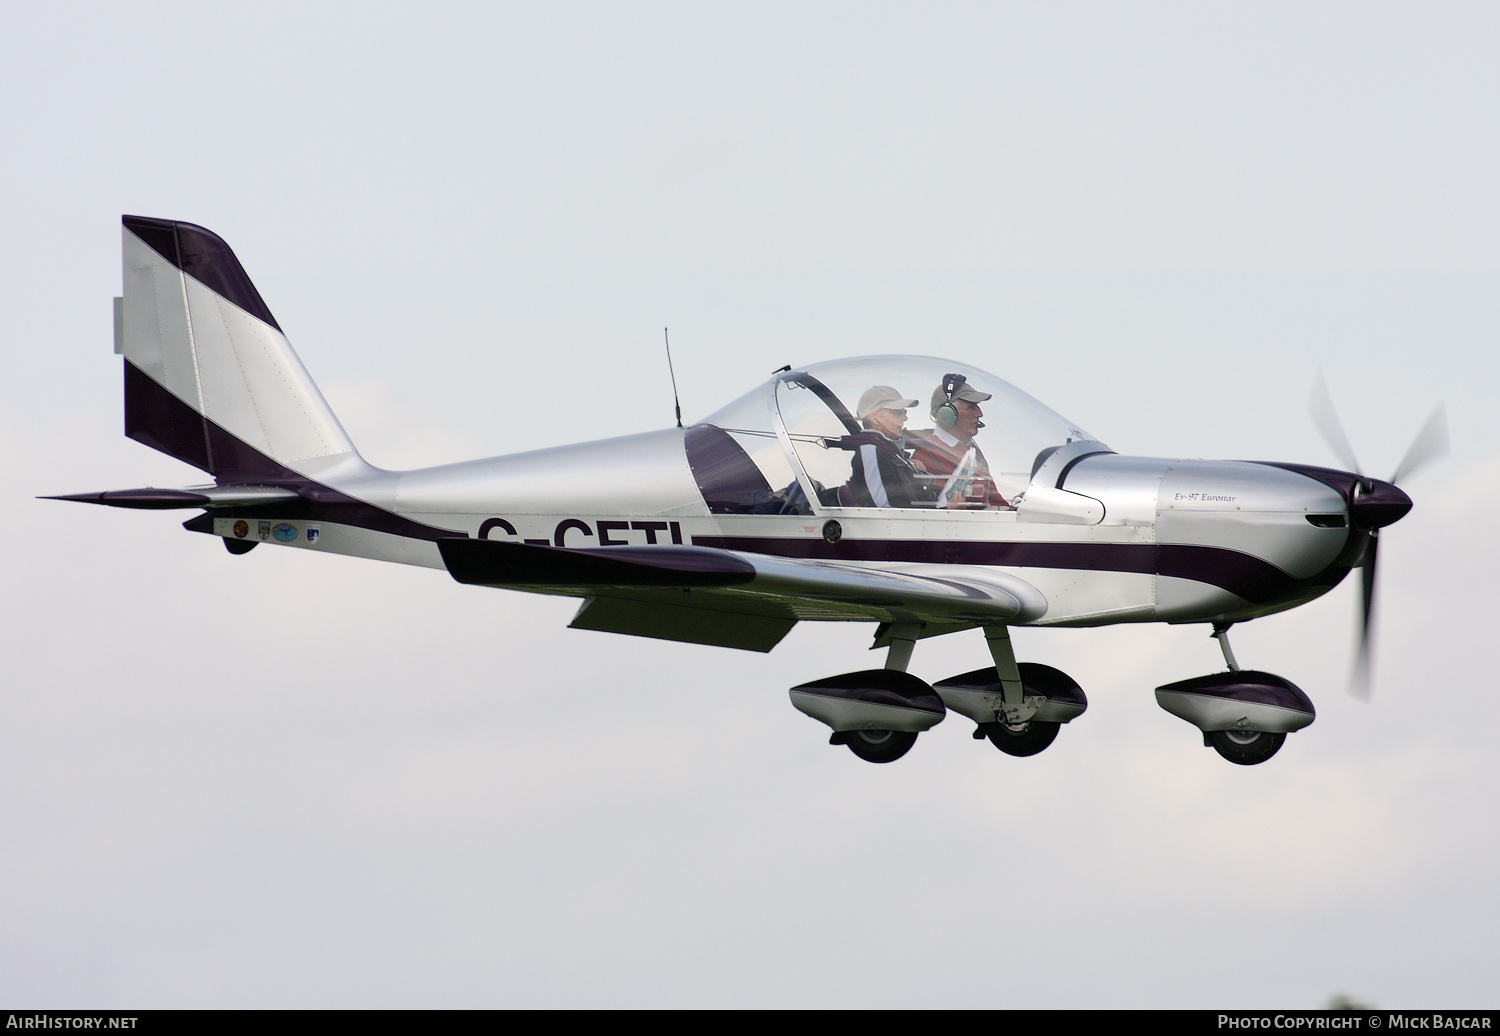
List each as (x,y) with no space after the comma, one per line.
(1245,699)
(1245,715)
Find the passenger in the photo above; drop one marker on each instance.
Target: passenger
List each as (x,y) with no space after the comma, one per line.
(956,412)
(883,476)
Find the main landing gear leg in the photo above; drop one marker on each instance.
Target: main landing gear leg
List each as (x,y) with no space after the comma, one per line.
(903,639)
(1018,708)
(1015,731)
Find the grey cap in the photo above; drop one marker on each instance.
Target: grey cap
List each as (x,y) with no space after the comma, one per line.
(882,397)
(965,391)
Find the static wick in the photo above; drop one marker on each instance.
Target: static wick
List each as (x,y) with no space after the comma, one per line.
(667,339)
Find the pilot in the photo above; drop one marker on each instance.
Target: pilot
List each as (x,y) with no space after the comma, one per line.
(883,476)
(956,412)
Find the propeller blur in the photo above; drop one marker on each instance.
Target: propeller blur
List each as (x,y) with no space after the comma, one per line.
(1374,505)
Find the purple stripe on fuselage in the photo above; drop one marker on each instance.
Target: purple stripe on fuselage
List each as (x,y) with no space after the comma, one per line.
(1257,581)
(204,256)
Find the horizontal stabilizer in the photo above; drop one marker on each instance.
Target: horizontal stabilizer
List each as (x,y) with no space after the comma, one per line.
(151,499)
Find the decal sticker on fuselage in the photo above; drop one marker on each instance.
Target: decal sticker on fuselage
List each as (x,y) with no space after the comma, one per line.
(285,532)
(241,528)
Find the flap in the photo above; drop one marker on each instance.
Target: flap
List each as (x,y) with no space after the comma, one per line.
(698,623)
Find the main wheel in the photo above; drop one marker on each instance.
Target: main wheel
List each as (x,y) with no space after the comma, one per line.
(880,746)
(1022,739)
(1246,747)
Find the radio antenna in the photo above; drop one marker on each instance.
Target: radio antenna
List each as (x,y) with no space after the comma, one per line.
(667,339)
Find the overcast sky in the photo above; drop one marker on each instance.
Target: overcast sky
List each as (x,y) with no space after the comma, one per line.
(287,780)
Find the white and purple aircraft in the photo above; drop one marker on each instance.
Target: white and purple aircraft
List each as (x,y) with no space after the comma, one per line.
(808,499)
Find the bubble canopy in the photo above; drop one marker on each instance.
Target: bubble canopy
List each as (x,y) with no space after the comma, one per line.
(800,443)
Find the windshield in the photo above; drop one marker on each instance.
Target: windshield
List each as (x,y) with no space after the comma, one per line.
(880,431)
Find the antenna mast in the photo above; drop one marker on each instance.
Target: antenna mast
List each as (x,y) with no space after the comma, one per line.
(667,339)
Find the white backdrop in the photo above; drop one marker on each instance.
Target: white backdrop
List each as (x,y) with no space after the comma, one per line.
(293,780)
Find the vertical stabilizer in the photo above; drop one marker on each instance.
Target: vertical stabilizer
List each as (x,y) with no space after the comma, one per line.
(209,377)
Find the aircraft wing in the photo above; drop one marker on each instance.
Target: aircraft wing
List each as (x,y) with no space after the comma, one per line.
(736,598)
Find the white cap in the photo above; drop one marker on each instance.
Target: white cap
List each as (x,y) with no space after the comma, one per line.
(881,397)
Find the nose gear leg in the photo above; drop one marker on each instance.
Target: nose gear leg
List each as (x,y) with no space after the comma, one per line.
(1221,634)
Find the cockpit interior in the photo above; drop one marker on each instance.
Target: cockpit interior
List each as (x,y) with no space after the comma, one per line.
(905,432)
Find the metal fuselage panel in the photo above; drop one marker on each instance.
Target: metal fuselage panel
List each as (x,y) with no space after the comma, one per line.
(1180,541)
(643,476)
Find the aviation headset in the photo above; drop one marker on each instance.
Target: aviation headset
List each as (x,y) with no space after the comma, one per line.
(946,415)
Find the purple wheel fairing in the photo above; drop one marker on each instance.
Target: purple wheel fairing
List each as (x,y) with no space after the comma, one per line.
(877,687)
(1249,686)
(979,694)
(1243,700)
(1052,684)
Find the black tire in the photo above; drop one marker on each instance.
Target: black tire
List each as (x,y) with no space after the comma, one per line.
(1026,739)
(1245,747)
(880,746)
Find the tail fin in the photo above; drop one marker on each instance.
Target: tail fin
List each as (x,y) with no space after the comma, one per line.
(209,377)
